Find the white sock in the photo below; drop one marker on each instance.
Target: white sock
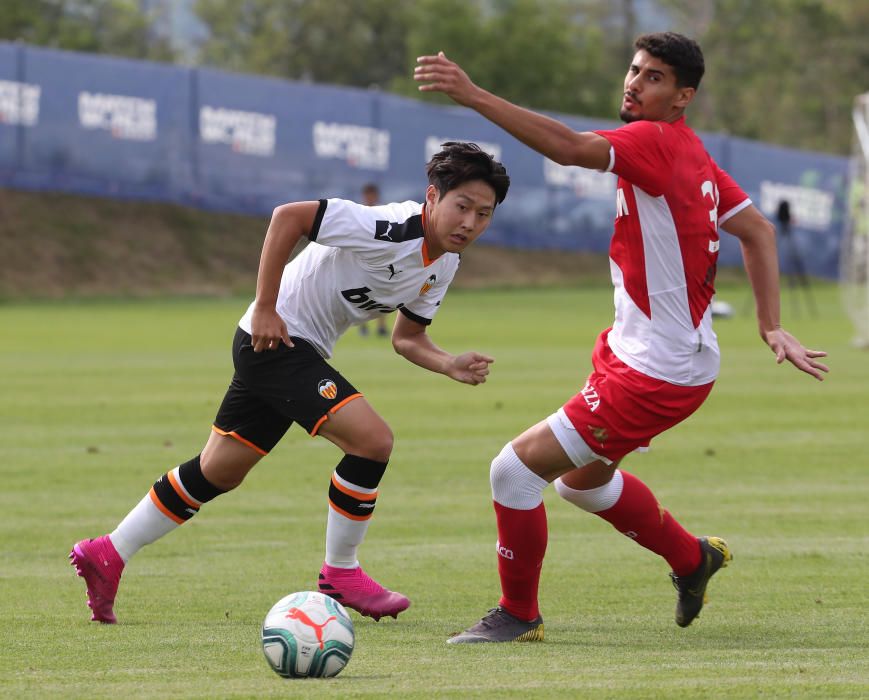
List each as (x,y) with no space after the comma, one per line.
(596,499)
(343,537)
(143,525)
(343,534)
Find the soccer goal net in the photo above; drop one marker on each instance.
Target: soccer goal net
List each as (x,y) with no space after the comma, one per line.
(854,258)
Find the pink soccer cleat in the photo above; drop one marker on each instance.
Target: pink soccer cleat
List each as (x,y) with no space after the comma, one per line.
(353,588)
(99,564)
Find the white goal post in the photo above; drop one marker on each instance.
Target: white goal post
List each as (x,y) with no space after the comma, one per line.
(854,255)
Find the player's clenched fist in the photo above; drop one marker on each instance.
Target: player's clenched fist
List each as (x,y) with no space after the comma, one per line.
(469,368)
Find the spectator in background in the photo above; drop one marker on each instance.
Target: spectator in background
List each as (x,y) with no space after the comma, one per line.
(371,198)
(795,271)
(784,216)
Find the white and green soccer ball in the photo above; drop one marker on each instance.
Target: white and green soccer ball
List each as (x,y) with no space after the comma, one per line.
(307,635)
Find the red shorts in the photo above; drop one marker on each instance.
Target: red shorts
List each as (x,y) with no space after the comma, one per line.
(620,410)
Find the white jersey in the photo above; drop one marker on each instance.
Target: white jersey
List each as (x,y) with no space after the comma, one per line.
(361,262)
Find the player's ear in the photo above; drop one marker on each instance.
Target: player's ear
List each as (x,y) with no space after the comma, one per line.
(432,195)
(684,96)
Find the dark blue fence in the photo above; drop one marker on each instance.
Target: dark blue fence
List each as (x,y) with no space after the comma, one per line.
(133,129)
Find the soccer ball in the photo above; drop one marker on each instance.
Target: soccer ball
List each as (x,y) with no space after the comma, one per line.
(307,635)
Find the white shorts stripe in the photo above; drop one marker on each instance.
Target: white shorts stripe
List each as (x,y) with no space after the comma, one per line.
(571,441)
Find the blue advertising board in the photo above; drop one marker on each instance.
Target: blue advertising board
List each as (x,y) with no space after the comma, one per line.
(134,129)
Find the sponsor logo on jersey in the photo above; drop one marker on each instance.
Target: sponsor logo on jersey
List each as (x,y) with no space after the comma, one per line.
(381,232)
(359,296)
(592,398)
(394,232)
(429,283)
(503,551)
(392,271)
(327,389)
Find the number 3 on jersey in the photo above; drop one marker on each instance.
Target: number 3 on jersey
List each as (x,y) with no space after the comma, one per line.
(709,189)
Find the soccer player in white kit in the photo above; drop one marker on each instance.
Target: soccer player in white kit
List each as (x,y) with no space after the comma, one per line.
(362,262)
(658,362)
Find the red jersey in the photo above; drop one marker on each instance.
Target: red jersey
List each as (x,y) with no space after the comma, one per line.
(670,200)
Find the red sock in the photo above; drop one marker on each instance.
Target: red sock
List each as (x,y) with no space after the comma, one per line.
(522,536)
(638,515)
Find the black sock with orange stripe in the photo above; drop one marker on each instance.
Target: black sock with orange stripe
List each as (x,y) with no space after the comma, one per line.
(172,501)
(352,497)
(180,493)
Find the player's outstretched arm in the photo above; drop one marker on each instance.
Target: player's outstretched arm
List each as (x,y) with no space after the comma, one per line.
(288,224)
(555,140)
(756,235)
(412,342)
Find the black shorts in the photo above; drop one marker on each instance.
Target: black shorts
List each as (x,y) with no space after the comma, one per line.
(274,388)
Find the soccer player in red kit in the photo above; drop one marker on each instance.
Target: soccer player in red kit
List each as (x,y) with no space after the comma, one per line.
(658,362)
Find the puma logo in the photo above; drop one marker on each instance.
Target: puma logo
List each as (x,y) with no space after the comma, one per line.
(301,616)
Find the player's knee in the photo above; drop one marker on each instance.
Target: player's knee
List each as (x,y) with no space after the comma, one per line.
(595,497)
(513,484)
(377,444)
(223,474)
(499,471)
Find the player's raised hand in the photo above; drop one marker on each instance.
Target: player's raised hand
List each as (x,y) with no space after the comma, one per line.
(469,368)
(786,347)
(439,74)
(268,330)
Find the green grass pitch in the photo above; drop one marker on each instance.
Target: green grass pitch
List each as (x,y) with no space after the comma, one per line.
(101,398)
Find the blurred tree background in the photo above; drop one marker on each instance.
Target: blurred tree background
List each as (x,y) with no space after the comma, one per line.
(116,27)
(780,71)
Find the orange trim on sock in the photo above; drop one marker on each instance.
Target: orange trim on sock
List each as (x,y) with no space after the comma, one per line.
(163,509)
(334,408)
(238,437)
(343,512)
(358,495)
(180,491)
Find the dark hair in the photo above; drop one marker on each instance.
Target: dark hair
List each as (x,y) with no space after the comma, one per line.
(370,188)
(460,162)
(681,53)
